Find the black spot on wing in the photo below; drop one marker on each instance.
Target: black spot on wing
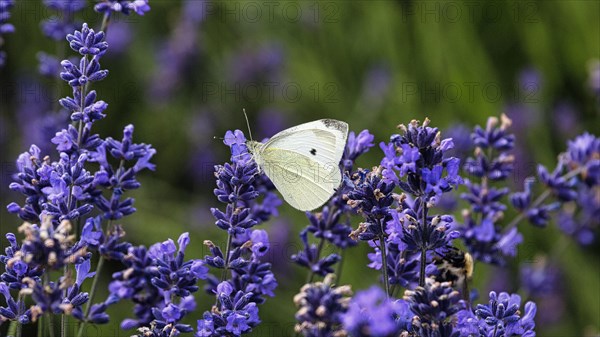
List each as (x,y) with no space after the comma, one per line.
(313,152)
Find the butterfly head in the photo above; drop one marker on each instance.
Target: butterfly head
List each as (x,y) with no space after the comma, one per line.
(254,148)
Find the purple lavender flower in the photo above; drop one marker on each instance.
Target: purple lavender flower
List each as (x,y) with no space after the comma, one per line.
(311,258)
(403,267)
(16,270)
(481,232)
(566,119)
(239,186)
(174,275)
(372,197)
(327,225)
(530,81)
(370,313)
(49,246)
(46,248)
(119,39)
(5,27)
(260,242)
(330,224)
(542,278)
(320,308)
(235,314)
(263,63)
(493,138)
(356,145)
(66,183)
(501,317)
(135,283)
(270,121)
(153,279)
(416,162)
(140,7)
(58,26)
(73,302)
(418,157)
(434,305)
(166,322)
(178,54)
(424,234)
(573,184)
(15,310)
(121,179)
(461,137)
(487,242)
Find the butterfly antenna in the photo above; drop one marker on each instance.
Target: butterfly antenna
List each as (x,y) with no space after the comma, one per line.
(247,123)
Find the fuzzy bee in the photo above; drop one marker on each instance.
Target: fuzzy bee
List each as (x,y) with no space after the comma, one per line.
(455,266)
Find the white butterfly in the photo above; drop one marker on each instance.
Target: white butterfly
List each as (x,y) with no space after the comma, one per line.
(303,161)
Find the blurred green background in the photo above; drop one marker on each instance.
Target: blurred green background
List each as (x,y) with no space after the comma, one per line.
(183,73)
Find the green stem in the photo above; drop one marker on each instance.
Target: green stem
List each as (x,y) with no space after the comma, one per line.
(386,281)
(227,250)
(40,327)
(50,324)
(311,273)
(63,325)
(105,22)
(92,295)
(12,328)
(422,273)
(63,317)
(423,249)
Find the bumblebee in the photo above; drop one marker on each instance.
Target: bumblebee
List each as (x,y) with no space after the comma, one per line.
(455,266)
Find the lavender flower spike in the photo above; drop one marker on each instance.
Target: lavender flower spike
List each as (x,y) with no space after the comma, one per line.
(5,27)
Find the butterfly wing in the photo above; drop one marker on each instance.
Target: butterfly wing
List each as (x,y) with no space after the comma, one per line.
(303,162)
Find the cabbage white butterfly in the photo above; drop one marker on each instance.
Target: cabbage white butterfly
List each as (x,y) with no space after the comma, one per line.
(303,161)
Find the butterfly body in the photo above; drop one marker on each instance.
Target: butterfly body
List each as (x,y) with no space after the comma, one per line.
(303,161)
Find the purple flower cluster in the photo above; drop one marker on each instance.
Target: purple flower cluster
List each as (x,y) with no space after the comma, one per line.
(179,52)
(235,314)
(332,223)
(321,306)
(73,199)
(45,248)
(400,227)
(5,27)
(574,185)
(371,313)
(481,232)
(245,279)
(62,193)
(107,7)
(436,310)
(65,189)
(56,27)
(501,317)
(160,283)
(433,306)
